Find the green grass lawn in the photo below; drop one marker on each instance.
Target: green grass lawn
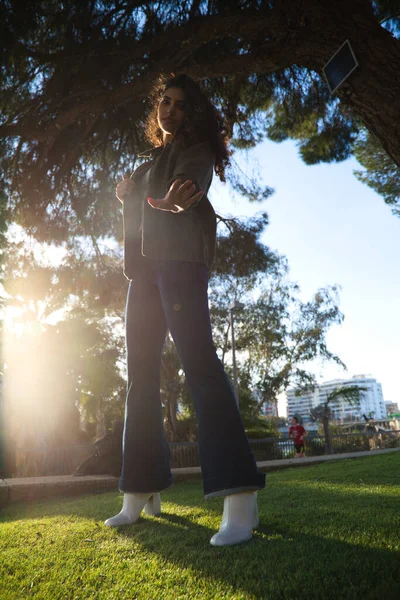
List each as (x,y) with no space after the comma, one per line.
(326,531)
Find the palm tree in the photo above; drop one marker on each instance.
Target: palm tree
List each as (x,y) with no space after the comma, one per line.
(322,413)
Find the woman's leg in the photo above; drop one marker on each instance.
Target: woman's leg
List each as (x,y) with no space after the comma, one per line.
(145,464)
(228,465)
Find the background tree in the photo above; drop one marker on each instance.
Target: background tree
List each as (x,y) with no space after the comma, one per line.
(380,172)
(323,412)
(64,351)
(77,361)
(277,335)
(284,335)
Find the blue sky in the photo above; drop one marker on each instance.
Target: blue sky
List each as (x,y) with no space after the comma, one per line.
(333,230)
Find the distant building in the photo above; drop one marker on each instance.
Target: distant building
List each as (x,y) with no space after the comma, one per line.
(269,410)
(371,402)
(301,405)
(392,408)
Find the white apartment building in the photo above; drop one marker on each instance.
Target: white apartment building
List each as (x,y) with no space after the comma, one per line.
(371,400)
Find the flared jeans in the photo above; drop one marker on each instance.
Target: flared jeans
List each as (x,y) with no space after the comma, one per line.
(173,295)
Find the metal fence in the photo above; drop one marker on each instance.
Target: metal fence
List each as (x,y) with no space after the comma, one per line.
(34,462)
(64,460)
(277,448)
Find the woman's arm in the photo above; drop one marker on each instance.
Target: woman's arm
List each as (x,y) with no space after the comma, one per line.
(180,196)
(125,189)
(190,180)
(196,164)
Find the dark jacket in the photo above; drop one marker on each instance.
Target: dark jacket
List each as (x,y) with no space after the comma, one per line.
(189,235)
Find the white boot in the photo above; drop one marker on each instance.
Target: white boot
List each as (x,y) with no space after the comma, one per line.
(239,518)
(153,505)
(132,506)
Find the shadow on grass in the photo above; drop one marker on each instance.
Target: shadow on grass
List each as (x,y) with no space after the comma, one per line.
(277,563)
(314,543)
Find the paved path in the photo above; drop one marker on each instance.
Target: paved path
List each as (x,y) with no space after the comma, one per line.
(34,488)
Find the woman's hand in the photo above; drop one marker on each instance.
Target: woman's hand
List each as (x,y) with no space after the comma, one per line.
(125,189)
(180,196)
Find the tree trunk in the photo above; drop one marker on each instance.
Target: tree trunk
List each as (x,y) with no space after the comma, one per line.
(327,434)
(308,34)
(267,399)
(276,407)
(100,421)
(373,89)
(171,415)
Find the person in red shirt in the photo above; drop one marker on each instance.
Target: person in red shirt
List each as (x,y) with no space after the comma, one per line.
(297,433)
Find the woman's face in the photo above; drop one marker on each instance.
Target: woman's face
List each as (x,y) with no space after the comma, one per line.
(171,110)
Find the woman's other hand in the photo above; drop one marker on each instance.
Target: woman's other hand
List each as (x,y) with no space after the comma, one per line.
(180,197)
(125,189)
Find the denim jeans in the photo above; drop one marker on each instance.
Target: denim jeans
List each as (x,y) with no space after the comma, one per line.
(173,295)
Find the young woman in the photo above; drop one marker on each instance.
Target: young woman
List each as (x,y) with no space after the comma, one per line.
(169,235)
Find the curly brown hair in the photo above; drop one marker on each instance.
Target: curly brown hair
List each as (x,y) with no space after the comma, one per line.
(202,123)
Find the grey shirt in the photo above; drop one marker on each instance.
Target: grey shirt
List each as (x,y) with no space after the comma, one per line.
(189,235)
